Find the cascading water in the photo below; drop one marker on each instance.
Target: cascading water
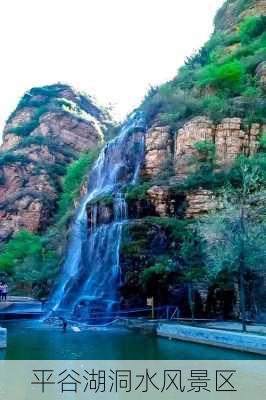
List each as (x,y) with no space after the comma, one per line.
(91,272)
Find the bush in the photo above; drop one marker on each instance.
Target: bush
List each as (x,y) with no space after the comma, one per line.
(252,27)
(204,55)
(28,127)
(25,129)
(262,143)
(206,150)
(155,276)
(174,227)
(216,107)
(49,91)
(226,76)
(28,141)
(28,264)
(75,175)
(251,164)
(22,245)
(171,103)
(251,62)
(10,158)
(134,248)
(137,192)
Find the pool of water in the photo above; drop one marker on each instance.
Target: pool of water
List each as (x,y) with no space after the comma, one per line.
(37,341)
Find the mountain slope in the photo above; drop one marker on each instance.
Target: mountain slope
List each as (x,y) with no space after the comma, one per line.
(203,125)
(49,129)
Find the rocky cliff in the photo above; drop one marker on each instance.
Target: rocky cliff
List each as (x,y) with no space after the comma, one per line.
(200,124)
(233,11)
(49,129)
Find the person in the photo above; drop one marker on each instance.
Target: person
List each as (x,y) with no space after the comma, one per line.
(1,290)
(64,324)
(4,291)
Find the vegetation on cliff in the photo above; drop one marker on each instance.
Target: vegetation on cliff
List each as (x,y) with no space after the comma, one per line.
(50,143)
(164,252)
(31,260)
(169,257)
(219,81)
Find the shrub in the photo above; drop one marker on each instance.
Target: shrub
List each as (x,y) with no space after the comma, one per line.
(252,27)
(231,39)
(22,245)
(226,76)
(155,276)
(204,55)
(10,158)
(134,248)
(137,192)
(25,129)
(262,143)
(185,80)
(206,150)
(174,227)
(251,62)
(37,140)
(75,175)
(49,91)
(216,107)
(253,166)
(104,199)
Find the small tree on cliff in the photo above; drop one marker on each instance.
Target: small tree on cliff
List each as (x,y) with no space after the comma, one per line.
(234,236)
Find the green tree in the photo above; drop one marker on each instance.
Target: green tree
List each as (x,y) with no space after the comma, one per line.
(155,279)
(225,76)
(252,27)
(73,180)
(192,266)
(234,236)
(22,245)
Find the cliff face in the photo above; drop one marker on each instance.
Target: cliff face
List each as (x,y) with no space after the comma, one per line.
(235,10)
(199,123)
(229,138)
(218,97)
(51,126)
(215,104)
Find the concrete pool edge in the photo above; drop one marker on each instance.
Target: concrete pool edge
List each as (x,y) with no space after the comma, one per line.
(3,338)
(244,342)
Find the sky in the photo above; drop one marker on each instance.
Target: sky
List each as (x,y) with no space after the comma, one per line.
(111,49)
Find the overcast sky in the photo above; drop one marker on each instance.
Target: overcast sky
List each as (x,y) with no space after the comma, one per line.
(112,49)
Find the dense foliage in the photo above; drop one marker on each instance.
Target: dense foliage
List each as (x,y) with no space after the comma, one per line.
(72,182)
(218,81)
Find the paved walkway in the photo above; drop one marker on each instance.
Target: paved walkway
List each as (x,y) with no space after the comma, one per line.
(236,326)
(20,304)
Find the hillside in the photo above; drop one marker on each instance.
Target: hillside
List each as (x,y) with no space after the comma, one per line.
(49,142)
(205,144)
(196,216)
(49,129)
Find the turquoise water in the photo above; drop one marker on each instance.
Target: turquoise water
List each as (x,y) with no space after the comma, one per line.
(37,341)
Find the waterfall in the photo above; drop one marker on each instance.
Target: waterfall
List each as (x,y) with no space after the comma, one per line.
(91,271)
